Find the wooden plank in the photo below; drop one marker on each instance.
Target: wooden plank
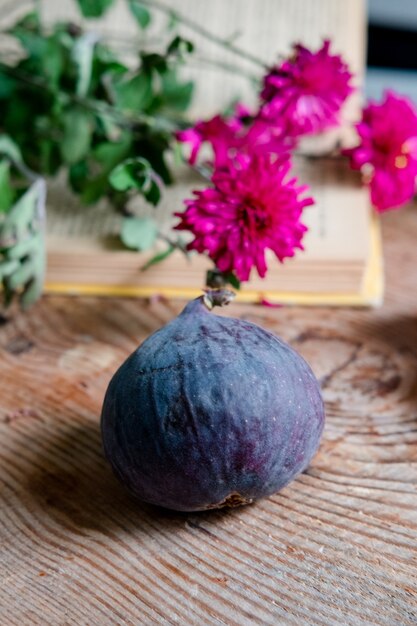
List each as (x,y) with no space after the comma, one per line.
(337,546)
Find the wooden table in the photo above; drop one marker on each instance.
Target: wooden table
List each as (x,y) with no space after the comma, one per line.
(336,547)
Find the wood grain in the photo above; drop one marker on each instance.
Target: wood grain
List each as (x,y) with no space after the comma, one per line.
(336,547)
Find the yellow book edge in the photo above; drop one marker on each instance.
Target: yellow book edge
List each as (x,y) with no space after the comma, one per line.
(370,294)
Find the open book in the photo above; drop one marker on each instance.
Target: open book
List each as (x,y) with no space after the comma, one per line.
(342,261)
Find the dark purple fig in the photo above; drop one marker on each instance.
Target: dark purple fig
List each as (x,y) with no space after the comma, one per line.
(211,411)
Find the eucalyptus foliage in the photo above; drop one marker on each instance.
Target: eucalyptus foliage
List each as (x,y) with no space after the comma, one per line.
(22,227)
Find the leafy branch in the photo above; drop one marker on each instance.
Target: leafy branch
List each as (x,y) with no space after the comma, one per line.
(129,120)
(72,103)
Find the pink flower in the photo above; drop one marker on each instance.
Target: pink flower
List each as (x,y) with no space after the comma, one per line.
(261,137)
(241,133)
(387,153)
(252,206)
(218,131)
(305,93)
(255,134)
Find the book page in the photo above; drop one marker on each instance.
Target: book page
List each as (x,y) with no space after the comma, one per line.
(338,222)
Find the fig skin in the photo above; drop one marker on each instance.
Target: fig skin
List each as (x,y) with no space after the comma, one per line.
(211,411)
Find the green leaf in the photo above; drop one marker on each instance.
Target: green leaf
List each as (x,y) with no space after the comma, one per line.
(232,280)
(108,126)
(7,193)
(52,61)
(78,130)
(94,189)
(137,174)
(140,12)
(177,150)
(180,46)
(135,94)
(18,118)
(176,95)
(109,154)
(139,233)
(91,188)
(82,55)
(49,158)
(22,243)
(21,276)
(129,174)
(152,191)
(10,149)
(22,248)
(7,268)
(216,279)
(94,8)
(173,20)
(33,43)
(32,292)
(105,62)
(27,275)
(154,61)
(153,149)
(157,258)
(105,55)
(7,294)
(22,217)
(28,32)
(7,86)
(77,175)
(29,22)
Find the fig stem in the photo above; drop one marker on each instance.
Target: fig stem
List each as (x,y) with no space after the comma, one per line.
(217,297)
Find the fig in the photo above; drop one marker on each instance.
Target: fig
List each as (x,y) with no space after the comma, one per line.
(211,411)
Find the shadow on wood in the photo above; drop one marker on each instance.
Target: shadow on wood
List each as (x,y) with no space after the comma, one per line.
(72,483)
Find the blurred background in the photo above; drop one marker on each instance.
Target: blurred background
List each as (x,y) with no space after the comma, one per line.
(392,47)
(391,31)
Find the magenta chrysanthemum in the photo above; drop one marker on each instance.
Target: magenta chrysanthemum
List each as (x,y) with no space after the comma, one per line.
(252,207)
(218,131)
(387,153)
(305,93)
(228,136)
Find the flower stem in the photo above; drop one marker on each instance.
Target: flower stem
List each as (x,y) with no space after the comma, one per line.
(243,54)
(225,67)
(217,297)
(202,171)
